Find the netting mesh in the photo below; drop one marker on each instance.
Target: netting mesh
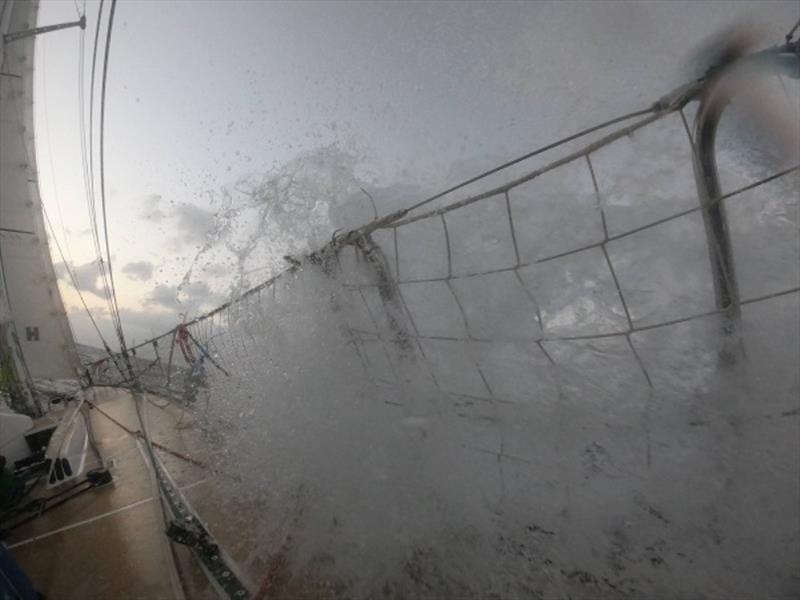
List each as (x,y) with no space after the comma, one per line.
(529,391)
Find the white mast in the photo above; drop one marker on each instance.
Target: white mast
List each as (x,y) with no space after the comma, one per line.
(35,335)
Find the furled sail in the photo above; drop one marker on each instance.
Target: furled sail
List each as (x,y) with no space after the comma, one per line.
(37,341)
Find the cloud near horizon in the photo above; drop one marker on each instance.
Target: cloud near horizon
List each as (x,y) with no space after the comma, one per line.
(151,208)
(140,270)
(192,223)
(187,298)
(86,277)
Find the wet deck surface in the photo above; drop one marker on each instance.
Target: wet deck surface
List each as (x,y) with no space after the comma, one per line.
(109,542)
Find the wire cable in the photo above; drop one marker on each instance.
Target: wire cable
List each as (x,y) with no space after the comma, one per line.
(92,198)
(109,30)
(73,278)
(87,148)
(792,31)
(87,168)
(519,159)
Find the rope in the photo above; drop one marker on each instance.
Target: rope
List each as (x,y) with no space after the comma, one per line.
(182,340)
(459,204)
(91,197)
(51,229)
(569,138)
(91,93)
(73,279)
(206,354)
(120,333)
(528,177)
(67,264)
(792,31)
(86,160)
(673,102)
(138,434)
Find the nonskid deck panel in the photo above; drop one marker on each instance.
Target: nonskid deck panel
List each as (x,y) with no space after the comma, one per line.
(111,542)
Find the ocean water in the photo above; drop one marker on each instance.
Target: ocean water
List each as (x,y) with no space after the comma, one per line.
(531,396)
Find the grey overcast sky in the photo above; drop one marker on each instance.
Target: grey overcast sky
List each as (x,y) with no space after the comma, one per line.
(202,94)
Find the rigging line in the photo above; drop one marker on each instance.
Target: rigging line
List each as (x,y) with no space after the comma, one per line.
(91,93)
(77,10)
(90,137)
(104,80)
(392,222)
(91,154)
(510,163)
(656,112)
(92,195)
(73,279)
(82,125)
(83,131)
(792,31)
(84,159)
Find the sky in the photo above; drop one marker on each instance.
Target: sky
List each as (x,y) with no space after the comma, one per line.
(203,96)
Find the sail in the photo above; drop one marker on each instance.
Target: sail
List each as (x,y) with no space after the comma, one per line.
(36,334)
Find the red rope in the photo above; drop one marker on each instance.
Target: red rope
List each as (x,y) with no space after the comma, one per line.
(182,339)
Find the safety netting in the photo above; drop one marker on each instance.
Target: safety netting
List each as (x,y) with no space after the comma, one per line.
(523,388)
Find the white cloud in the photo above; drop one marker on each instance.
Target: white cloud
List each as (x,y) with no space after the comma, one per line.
(86,276)
(151,209)
(187,298)
(140,270)
(193,222)
(139,325)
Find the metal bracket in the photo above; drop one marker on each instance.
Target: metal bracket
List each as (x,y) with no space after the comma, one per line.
(186,528)
(177,532)
(18,35)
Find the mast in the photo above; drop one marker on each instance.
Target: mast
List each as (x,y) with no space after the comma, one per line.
(35,336)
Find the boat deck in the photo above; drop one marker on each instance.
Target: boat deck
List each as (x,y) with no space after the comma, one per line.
(109,542)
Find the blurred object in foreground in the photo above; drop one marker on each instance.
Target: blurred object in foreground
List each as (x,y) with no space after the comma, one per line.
(761,83)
